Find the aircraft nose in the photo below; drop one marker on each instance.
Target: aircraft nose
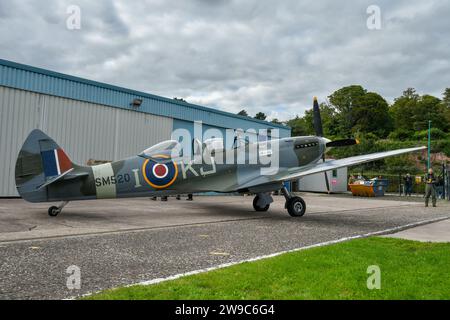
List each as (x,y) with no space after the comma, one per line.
(325,140)
(323,144)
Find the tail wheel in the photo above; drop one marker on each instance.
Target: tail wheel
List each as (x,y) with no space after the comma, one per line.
(53,211)
(296,206)
(257,207)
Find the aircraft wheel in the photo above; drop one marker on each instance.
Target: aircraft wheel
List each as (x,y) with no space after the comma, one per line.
(296,206)
(53,211)
(258,208)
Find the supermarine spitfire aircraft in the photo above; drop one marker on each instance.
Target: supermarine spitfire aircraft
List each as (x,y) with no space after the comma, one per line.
(44,173)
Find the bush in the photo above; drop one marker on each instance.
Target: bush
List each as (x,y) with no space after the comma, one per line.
(400,134)
(441,146)
(436,134)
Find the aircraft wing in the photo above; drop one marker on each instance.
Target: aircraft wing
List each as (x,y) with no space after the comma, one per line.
(347,162)
(295,173)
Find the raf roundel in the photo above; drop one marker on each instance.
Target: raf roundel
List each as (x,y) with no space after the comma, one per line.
(159,175)
(160,171)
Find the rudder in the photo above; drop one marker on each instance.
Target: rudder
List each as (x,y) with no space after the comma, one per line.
(40,160)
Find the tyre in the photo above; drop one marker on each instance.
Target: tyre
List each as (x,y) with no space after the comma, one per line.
(53,211)
(296,207)
(258,208)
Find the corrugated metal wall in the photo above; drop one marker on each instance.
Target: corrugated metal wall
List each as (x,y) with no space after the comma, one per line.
(48,82)
(91,119)
(85,130)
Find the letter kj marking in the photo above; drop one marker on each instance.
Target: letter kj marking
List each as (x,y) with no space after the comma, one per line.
(212,171)
(159,175)
(103,186)
(184,169)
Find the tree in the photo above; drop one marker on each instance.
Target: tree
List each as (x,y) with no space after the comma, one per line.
(435,133)
(243,113)
(298,127)
(446,98)
(404,109)
(410,93)
(260,116)
(359,111)
(329,121)
(400,135)
(370,113)
(446,104)
(412,112)
(343,100)
(276,121)
(430,108)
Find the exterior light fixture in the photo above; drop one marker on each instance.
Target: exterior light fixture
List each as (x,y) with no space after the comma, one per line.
(136,103)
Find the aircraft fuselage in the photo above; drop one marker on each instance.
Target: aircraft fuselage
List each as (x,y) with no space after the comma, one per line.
(160,175)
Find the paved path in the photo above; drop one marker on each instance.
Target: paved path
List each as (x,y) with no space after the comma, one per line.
(123,242)
(433,232)
(20,220)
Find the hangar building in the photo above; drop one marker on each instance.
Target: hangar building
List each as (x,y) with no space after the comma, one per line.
(93,120)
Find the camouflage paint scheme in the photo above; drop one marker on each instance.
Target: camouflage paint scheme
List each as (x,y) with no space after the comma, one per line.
(44,173)
(126,178)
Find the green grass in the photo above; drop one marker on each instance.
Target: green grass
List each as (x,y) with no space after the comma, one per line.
(409,270)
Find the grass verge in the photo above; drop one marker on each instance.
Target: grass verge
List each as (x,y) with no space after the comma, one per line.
(409,270)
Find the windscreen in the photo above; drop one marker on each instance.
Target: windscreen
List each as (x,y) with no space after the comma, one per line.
(169,148)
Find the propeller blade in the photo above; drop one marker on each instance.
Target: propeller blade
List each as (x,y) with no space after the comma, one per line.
(319,132)
(342,143)
(326,176)
(317,119)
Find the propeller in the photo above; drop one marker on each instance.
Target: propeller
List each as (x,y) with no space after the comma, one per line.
(319,132)
(342,143)
(317,118)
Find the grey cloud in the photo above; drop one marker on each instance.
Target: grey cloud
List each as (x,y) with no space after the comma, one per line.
(261,55)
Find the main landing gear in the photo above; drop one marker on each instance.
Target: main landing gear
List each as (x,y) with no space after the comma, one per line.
(54,211)
(295,206)
(262,202)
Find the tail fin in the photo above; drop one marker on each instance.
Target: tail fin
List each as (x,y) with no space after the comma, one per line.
(40,162)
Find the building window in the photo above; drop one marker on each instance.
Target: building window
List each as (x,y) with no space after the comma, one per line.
(335,173)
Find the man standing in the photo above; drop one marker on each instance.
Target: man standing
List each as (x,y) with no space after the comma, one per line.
(430,188)
(408,184)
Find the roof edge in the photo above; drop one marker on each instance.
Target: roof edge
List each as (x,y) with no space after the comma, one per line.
(64,76)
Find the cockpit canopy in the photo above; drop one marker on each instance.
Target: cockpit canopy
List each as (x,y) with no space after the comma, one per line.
(168,148)
(173,149)
(217,144)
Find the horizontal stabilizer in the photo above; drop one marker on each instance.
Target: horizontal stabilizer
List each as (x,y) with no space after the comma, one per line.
(53,179)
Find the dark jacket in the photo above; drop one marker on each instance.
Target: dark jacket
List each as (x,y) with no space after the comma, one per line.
(408,181)
(430,178)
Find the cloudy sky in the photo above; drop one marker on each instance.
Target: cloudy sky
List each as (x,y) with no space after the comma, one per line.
(270,56)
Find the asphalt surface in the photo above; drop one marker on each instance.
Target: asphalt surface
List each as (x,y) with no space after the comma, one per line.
(117,243)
